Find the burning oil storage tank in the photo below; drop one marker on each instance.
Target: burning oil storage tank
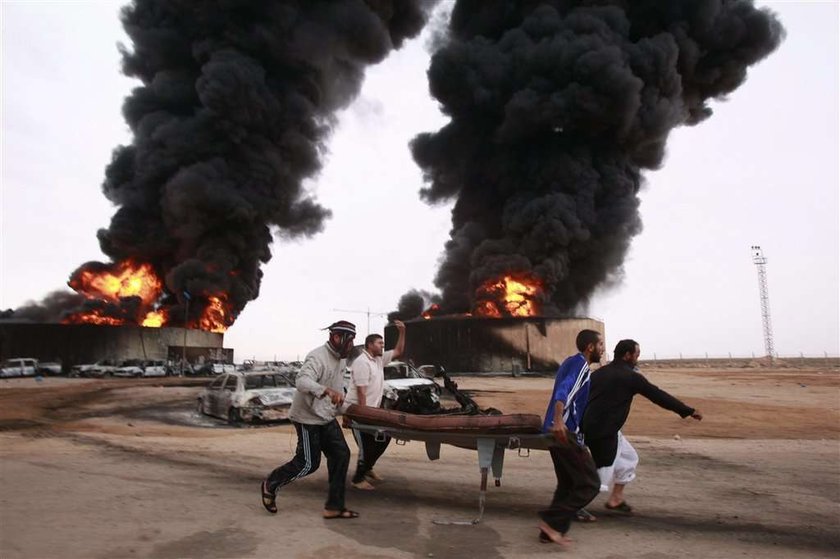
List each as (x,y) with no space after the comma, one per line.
(73,344)
(477,344)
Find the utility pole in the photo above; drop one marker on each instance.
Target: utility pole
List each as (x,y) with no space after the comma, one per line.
(187,298)
(365,312)
(761,264)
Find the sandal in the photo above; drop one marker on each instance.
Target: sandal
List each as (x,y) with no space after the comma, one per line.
(584,515)
(269,498)
(544,538)
(622,507)
(342,514)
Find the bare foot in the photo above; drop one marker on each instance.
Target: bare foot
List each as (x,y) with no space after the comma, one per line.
(555,536)
(364,485)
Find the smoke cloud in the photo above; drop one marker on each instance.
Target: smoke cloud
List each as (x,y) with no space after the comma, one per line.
(236,102)
(555,109)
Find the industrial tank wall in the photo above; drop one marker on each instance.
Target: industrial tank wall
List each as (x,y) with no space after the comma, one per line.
(467,344)
(73,344)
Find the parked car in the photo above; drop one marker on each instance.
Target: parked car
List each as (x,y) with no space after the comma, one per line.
(248,397)
(19,367)
(139,368)
(155,368)
(212,367)
(102,368)
(402,377)
(49,368)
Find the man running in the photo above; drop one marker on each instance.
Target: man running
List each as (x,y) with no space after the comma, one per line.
(577,479)
(320,390)
(610,397)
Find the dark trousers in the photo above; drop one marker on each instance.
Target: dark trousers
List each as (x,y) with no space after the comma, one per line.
(370,450)
(312,441)
(577,485)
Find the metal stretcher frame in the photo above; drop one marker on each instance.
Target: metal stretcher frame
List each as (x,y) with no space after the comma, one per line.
(491,452)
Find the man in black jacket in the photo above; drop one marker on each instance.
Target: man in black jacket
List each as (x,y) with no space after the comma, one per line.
(610,395)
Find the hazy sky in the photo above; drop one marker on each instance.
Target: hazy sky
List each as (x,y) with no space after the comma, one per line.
(763,170)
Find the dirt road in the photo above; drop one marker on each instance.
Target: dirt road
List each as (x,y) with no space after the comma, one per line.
(126,468)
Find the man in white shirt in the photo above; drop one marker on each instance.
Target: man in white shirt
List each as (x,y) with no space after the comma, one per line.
(367,382)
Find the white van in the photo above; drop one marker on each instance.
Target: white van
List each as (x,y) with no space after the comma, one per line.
(19,367)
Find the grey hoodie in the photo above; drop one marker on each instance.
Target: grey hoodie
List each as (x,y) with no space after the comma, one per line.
(323,368)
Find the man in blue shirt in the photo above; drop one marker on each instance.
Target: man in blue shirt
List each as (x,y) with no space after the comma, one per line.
(577,478)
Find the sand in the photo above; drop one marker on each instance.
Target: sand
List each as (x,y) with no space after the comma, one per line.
(126,468)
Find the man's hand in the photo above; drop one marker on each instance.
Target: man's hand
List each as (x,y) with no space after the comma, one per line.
(697,415)
(345,421)
(560,432)
(337,398)
(400,325)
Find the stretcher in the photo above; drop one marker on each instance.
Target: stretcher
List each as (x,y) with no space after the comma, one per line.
(490,436)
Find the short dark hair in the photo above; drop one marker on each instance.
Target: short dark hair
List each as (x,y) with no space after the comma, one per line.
(586,337)
(371,338)
(624,347)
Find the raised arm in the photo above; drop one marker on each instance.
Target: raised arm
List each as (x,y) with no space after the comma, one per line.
(400,347)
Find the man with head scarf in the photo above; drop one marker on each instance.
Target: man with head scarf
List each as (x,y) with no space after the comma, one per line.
(320,393)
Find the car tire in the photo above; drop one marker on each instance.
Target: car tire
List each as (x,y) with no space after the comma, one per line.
(200,407)
(234,418)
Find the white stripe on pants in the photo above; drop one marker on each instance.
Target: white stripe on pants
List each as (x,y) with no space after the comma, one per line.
(623,469)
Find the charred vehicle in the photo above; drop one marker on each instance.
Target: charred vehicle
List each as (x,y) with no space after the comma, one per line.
(251,397)
(103,368)
(403,381)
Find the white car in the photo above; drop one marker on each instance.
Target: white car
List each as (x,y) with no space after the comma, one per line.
(401,377)
(19,367)
(250,397)
(139,368)
(103,368)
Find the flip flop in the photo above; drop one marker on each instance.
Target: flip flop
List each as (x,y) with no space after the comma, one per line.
(544,538)
(343,514)
(622,507)
(268,498)
(584,515)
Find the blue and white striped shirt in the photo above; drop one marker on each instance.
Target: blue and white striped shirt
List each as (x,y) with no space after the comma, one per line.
(571,386)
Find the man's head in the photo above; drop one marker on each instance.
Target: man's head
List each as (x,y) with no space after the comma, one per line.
(627,351)
(591,344)
(375,345)
(342,334)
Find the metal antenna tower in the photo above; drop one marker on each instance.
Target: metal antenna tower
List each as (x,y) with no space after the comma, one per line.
(365,312)
(761,263)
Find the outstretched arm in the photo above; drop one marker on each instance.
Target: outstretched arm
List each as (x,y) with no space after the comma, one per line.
(662,398)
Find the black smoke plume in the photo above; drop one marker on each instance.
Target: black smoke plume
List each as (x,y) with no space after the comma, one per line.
(413,303)
(555,108)
(236,102)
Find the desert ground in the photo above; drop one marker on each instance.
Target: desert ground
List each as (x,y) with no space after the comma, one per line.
(126,468)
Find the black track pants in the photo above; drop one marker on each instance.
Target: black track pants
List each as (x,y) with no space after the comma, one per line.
(312,441)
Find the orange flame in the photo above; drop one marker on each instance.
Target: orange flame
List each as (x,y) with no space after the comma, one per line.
(216,316)
(93,317)
(155,319)
(433,309)
(110,284)
(125,279)
(508,296)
